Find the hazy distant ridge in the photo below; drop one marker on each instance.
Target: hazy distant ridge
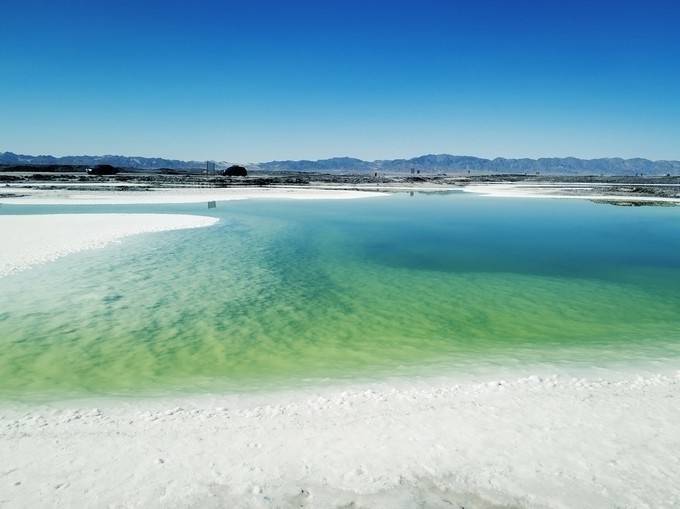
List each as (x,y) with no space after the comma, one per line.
(146,163)
(438,163)
(450,163)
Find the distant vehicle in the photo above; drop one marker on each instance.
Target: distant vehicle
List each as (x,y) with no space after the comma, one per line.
(235,171)
(102,169)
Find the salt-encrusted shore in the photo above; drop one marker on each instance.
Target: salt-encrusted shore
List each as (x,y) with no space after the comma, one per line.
(31,239)
(576,190)
(554,441)
(39,196)
(28,240)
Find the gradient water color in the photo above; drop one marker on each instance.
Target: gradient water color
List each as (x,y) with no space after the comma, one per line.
(293,292)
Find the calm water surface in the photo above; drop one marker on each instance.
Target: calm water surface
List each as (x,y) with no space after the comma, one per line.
(287,292)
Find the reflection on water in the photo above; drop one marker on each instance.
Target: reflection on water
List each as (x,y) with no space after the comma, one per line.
(282,292)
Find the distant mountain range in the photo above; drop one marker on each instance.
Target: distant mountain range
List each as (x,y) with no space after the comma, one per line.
(143,163)
(439,163)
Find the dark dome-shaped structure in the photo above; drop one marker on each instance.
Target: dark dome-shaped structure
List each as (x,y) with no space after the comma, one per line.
(235,171)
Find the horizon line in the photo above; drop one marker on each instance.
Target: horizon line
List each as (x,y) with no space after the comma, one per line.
(343,157)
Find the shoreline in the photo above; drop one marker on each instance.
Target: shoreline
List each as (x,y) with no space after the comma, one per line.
(618,190)
(534,441)
(586,191)
(30,240)
(35,239)
(160,196)
(85,195)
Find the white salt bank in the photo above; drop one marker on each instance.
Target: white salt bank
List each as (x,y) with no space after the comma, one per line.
(531,442)
(27,240)
(39,196)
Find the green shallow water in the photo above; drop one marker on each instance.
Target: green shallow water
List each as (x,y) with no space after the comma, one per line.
(287,292)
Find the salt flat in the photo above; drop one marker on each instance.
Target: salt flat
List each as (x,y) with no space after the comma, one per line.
(582,191)
(28,240)
(536,441)
(40,196)
(32,239)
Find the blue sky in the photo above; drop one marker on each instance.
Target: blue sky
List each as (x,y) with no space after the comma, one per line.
(254,81)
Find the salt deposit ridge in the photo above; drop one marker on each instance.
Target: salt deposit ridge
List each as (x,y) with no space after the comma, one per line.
(554,441)
(28,240)
(33,239)
(85,196)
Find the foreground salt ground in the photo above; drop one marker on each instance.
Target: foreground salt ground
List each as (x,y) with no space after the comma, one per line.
(554,441)
(28,240)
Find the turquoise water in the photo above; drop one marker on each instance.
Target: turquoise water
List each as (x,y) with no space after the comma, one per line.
(287,292)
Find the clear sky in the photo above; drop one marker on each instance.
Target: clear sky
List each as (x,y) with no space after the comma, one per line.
(254,80)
